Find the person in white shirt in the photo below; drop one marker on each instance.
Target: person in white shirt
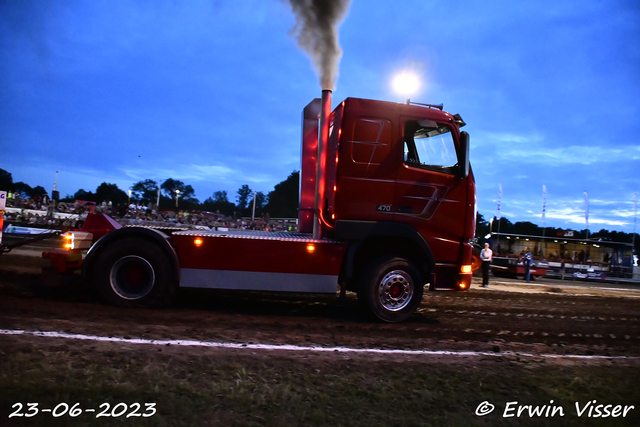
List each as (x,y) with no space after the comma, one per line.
(485,256)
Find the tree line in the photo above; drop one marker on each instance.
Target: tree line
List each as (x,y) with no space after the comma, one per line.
(281,202)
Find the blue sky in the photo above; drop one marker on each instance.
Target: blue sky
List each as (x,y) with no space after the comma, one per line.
(210,92)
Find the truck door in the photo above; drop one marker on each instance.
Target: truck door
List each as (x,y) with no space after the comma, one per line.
(430,195)
(367,170)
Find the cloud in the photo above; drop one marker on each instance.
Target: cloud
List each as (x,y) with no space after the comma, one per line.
(191,172)
(511,138)
(571,212)
(535,149)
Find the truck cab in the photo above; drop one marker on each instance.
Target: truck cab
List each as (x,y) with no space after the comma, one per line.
(396,180)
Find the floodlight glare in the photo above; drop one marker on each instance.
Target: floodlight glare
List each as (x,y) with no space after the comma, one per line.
(406,84)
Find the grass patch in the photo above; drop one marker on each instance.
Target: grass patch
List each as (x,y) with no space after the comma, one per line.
(192,387)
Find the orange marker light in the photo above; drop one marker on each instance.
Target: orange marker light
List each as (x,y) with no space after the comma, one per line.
(68,241)
(311,248)
(197,242)
(465,269)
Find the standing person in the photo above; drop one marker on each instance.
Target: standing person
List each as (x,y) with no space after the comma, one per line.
(485,256)
(526,261)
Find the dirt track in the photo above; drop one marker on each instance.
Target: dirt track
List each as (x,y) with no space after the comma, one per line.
(544,318)
(510,342)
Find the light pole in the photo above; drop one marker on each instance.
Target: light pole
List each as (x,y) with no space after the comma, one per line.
(129,200)
(177,195)
(158,198)
(253,215)
(635,214)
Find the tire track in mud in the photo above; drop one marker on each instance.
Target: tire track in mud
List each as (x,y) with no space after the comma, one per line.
(476,321)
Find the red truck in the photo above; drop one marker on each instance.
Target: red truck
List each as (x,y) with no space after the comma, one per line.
(387,205)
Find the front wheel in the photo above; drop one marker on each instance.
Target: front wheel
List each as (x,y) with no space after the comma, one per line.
(134,271)
(391,288)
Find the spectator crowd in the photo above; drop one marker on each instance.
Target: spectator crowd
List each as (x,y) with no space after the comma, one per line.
(45,212)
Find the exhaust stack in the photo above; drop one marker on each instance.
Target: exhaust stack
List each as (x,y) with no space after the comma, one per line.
(323,141)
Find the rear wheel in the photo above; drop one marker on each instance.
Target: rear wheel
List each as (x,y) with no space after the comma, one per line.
(134,271)
(391,288)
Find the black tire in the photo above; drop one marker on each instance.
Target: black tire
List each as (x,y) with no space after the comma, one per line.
(391,288)
(133,272)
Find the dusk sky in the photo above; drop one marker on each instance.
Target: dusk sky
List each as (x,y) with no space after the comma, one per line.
(211,92)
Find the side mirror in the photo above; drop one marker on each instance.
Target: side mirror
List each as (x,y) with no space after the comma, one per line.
(464,154)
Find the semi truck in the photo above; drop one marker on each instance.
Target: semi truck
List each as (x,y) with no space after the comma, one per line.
(387,207)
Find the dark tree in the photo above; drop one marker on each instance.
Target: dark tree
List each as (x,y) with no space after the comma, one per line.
(243,197)
(220,197)
(186,194)
(261,202)
(38,191)
(6,181)
(145,191)
(110,192)
(527,228)
(84,195)
(170,186)
(188,198)
(482,226)
(23,190)
(283,200)
(503,225)
(219,203)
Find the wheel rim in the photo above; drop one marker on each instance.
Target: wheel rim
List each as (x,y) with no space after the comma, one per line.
(395,290)
(132,277)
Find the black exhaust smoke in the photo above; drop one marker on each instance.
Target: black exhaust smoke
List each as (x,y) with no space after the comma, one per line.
(316,31)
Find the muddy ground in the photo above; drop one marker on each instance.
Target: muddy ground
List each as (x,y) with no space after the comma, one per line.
(547,323)
(546,317)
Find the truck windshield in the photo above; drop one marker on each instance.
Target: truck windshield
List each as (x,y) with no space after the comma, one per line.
(429,148)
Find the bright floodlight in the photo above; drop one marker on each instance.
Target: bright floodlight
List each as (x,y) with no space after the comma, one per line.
(406,84)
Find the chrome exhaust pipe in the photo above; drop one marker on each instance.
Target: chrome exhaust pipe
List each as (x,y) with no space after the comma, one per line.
(323,141)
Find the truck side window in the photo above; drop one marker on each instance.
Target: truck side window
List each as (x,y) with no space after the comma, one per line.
(371,141)
(429,148)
